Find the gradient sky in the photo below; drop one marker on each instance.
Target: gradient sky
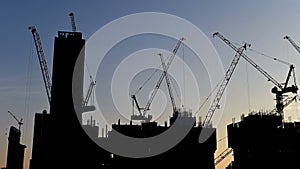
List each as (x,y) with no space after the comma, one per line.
(261,23)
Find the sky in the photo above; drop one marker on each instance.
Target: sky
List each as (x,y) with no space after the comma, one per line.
(263,24)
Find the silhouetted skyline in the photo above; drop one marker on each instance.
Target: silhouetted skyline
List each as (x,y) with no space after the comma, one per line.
(263,24)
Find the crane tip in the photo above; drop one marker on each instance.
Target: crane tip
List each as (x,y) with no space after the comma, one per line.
(214,34)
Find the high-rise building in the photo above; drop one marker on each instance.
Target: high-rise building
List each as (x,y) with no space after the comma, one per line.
(59,139)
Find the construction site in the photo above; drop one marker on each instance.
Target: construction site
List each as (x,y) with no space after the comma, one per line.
(259,140)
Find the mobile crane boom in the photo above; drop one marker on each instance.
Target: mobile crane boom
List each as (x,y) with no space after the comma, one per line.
(168,82)
(142,115)
(293,43)
(215,103)
(162,75)
(42,60)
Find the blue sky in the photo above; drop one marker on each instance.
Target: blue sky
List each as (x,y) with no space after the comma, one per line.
(261,23)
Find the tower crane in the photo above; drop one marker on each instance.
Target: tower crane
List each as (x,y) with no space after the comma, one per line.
(42,60)
(142,115)
(293,43)
(20,123)
(72,21)
(279,88)
(215,103)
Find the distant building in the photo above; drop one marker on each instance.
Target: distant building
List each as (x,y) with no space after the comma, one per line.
(260,141)
(15,151)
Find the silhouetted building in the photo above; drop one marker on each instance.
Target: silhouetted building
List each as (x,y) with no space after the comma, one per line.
(15,151)
(187,153)
(260,141)
(41,140)
(59,139)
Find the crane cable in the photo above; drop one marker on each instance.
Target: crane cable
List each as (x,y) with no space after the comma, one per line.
(248,86)
(221,139)
(211,92)
(176,92)
(28,86)
(146,81)
(209,95)
(149,78)
(263,54)
(295,81)
(183,72)
(172,80)
(273,58)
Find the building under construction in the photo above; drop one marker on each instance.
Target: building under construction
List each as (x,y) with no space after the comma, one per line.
(263,141)
(187,153)
(60,140)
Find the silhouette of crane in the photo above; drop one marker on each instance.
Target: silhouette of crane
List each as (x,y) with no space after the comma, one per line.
(280,89)
(293,43)
(142,115)
(45,72)
(20,123)
(168,83)
(89,92)
(72,21)
(224,83)
(42,60)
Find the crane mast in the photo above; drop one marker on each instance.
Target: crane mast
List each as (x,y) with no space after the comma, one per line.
(282,88)
(42,60)
(293,43)
(72,21)
(215,103)
(168,82)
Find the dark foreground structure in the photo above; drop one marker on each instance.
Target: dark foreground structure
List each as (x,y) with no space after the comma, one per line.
(59,138)
(187,153)
(260,141)
(15,151)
